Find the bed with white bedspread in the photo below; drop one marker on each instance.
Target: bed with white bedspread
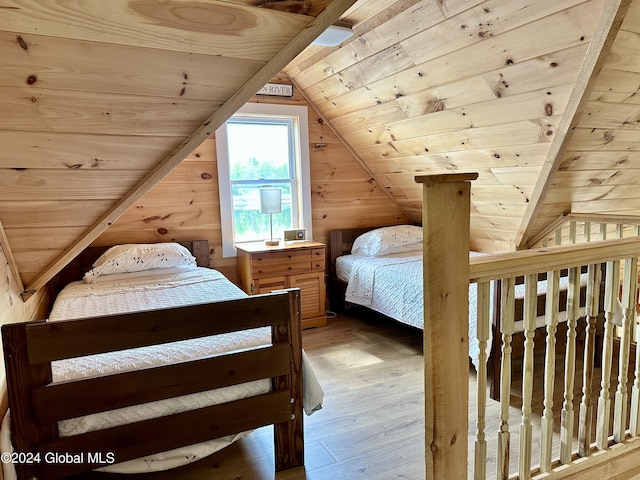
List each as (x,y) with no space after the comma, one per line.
(381,269)
(392,285)
(115,292)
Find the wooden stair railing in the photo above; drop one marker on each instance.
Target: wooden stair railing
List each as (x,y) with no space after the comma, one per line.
(447,271)
(576,437)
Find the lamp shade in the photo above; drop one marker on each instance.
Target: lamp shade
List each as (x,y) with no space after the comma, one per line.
(270,200)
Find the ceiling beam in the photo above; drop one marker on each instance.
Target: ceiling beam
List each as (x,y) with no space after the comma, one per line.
(6,248)
(316,26)
(607,28)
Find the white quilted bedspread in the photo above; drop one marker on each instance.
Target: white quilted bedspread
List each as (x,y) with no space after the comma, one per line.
(118,293)
(143,293)
(392,285)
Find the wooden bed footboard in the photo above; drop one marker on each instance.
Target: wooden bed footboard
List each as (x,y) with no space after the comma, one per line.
(37,404)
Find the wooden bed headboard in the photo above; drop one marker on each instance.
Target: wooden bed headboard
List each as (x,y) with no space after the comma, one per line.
(82,263)
(340,243)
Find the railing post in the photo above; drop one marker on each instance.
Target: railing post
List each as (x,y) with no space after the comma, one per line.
(445,223)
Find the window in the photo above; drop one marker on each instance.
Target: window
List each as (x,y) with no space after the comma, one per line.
(263,146)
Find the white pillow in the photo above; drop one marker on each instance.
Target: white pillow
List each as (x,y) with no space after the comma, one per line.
(152,274)
(137,257)
(389,240)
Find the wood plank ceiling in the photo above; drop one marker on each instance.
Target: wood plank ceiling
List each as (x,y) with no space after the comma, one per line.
(483,86)
(100,100)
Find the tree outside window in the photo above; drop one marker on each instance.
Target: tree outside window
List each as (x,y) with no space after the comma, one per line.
(261,151)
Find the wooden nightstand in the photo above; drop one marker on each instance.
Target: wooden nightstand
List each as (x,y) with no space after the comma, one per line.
(288,265)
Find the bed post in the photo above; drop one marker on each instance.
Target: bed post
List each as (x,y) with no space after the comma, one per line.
(289,436)
(27,432)
(445,224)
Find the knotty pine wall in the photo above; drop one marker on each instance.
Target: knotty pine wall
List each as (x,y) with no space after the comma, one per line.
(185,205)
(13,309)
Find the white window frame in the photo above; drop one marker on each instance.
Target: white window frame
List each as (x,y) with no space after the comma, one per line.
(302,174)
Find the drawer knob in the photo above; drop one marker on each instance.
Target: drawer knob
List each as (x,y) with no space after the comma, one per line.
(289,268)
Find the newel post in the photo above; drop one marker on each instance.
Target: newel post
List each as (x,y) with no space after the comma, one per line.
(445,224)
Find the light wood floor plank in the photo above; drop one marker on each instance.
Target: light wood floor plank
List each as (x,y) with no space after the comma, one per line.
(372,423)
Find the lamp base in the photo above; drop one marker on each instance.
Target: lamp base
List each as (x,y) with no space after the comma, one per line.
(272,243)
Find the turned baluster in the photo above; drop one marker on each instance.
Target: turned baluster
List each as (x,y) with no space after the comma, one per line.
(483,325)
(586,407)
(526,429)
(628,308)
(551,321)
(507,306)
(567,416)
(603,424)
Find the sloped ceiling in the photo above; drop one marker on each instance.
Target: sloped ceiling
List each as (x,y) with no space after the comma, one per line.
(100,100)
(484,86)
(597,171)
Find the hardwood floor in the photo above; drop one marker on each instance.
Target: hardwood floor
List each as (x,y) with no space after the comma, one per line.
(372,423)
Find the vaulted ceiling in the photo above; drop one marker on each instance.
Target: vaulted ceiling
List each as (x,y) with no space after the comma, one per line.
(101,100)
(536,96)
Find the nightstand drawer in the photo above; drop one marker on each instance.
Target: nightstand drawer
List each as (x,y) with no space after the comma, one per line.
(274,258)
(317,260)
(281,263)
(261,270)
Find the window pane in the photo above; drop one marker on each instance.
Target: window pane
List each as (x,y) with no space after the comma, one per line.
(249,223)
(258,151)
(247,160)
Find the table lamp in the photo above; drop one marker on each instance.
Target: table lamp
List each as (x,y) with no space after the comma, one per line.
(271,202)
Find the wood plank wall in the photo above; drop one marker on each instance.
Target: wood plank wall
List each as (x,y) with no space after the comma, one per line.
(186,204)
(13,309)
